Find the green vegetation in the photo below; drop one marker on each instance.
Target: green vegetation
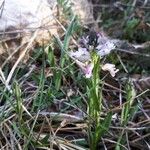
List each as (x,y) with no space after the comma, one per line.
(49,104)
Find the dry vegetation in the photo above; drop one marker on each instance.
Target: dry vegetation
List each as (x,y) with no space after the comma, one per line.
(46,101)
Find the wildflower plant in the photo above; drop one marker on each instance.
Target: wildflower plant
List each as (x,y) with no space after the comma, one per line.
(88,58)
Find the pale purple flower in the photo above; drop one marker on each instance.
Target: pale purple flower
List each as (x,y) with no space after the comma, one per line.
(106,48)
(88,70)
(85,68)
(103,44)
(81,54)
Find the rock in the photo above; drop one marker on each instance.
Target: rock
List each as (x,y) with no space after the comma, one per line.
(19,19)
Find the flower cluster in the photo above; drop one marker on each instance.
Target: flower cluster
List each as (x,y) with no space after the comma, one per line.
(102,45)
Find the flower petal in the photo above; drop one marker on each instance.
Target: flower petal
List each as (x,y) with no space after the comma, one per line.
(106,48)
(111,68)
(82,54)
(88,70)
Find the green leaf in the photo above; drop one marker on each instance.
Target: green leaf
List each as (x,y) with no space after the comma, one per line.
(69,33)
(102,128)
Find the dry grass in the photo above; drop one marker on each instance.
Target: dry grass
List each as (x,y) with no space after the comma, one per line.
(48,104)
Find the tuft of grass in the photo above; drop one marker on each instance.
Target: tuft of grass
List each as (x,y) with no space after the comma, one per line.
(129,109)
(64,48)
